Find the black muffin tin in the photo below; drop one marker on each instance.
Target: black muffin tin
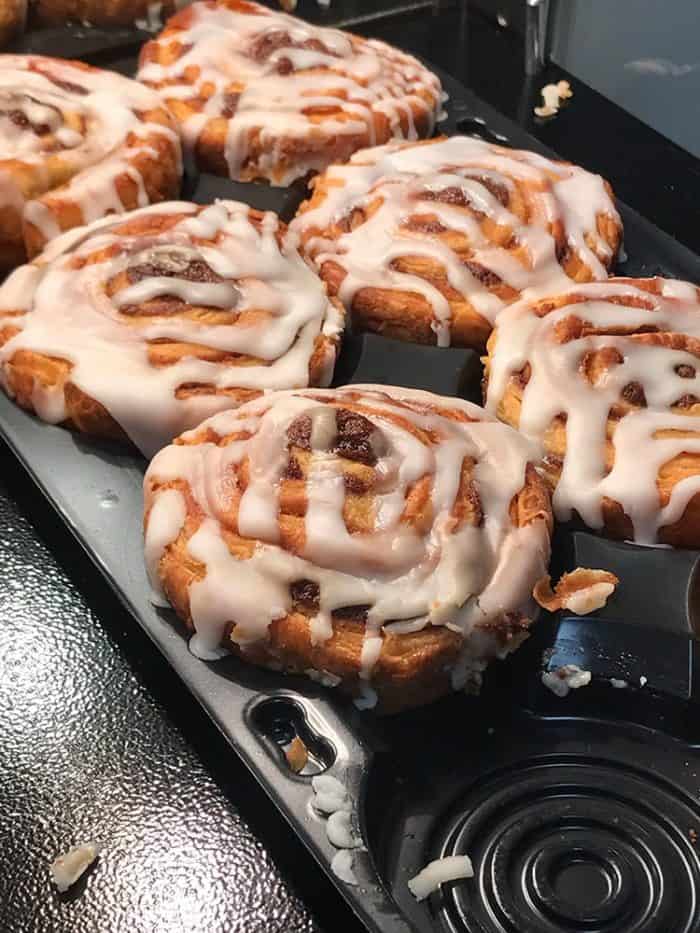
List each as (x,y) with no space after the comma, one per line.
(579,814)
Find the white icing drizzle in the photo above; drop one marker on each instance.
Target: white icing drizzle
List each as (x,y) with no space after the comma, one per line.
(438,872)
(558,386)
(84,127)
(68,314)
(406,177)
(283,69)
(460,577)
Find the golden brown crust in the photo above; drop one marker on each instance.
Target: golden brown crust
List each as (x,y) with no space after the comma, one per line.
(277,153)
(154,158)
(578,590)
(594,367)
(412,668)
(61,183)
(30,374)
(406,312)
(28,370)
(408,315)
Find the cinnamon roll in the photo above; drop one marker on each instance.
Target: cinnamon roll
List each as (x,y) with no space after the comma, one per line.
(606,378)
(259,94)
(380,539)
(142,325)
(429,241)
(76,143)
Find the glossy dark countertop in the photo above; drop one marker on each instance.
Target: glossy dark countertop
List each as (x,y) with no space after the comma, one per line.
(99,739)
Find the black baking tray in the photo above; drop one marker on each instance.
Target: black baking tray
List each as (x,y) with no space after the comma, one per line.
(580,814)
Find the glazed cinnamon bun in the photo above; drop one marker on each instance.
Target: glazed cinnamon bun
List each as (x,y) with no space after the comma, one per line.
(142,325)
(430,241)
(259,94)
(606,378)
(383,540)
(76,143)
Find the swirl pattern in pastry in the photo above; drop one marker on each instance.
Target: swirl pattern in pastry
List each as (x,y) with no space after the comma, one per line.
(260,94)
(606,378)
(76,143)
(429,241)
(142,325)
(383,539)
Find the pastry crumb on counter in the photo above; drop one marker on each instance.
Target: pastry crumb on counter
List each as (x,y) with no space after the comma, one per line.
(581,591)
(553,95)
(566,678)
(451,868)
(68,868)
(297,755)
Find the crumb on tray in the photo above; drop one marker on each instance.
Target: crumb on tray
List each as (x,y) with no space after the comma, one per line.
(553,95)
(451,868)
(297,755)
(566,678)
(581,591)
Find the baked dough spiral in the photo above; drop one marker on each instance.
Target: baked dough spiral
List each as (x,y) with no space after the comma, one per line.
(606,377)
(429,241)
(263,95)
(142,325)
(76,143)
(382,539)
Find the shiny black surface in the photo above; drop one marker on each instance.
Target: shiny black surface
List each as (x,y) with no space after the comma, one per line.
(99,740)
(98,737)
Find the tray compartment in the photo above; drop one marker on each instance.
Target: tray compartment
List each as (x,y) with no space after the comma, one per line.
(572,823)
